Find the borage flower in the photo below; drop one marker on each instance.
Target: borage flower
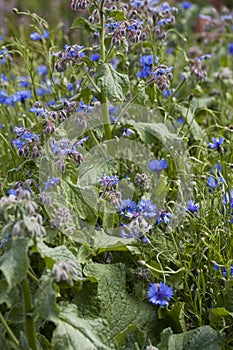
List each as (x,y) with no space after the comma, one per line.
(217,143)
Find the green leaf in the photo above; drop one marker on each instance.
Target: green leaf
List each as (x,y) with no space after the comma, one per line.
(129,337)
(6,296)
(217,315)
(82,23)
(120,310)
(74,333)
(174,317)
(52,255)
(14,263)
(103,242)
(203,337)
(118,15)
(114,85)
(78,198)
(45,299)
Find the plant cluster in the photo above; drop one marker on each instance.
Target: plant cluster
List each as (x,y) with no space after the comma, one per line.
(116,206)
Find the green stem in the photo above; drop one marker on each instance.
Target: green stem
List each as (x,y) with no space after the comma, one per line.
(29,322)
(9,331)
(104,107)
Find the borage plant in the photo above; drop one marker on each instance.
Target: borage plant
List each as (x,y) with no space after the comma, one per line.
(117,203)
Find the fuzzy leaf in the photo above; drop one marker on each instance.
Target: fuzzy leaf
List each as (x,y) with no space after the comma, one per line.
(74,333)
(45,300)
(14,263)
(114,85)
(82,23)
(115,305)
(203,337)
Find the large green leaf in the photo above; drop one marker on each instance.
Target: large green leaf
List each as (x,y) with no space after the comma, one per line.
(45,299)
(14,263)
(203,337)
(114,85)
(122,312)
(53,255)
(79,198)
(73,333)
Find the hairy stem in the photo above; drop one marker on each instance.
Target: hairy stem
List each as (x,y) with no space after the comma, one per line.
(8,330)
(29,322)
(105,113)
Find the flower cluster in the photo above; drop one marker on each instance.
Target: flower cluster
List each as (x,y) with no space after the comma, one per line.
(69,54)
(198,69)
(27,143)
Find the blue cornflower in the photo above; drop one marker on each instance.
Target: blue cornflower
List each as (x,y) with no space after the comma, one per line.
(147,60)
(186,5)
(230,49)
(70,86)
(22,95)
(216,143)
(164,217)
(1,37)
(42,70)
(157,165)
(23,82)
(213,183)
(228,198)
(167,93)
(37,36)
(51,182)
(147,208)
(159,293)
(127,208)
(192,206)
(95,57)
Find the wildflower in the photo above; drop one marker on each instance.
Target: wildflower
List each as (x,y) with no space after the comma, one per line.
(22,95)
(42,70)
(192,206)
(159,293)
(228,198)
(147,208)
(37,36)
(157,165)
(186,5)
(214,183)
(51,182)
(107,181)
(142,180)
(230,49)
(64,270)
(95,57)
(146,62)
(127,208)
(204,57)
(216,143)
(164,217)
